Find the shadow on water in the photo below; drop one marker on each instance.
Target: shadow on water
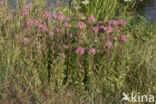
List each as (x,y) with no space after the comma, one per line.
(147,8)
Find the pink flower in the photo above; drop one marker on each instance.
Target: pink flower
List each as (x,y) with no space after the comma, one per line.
(109,29)
(29,22)
(92,51)
(65,46)
(81,25)
(38,47)
(95,29)
(59,16)
(108,44)
(43,27)
(80,50)
(24,12)
(65,25)
(62,55)
(51,34)
(68,18)
(122,37)
(46,15)
(91,19)
(121,22)
(26,40)
(35,22)
(80,16)
(112,22)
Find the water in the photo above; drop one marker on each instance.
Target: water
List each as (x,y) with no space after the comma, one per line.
(147,8)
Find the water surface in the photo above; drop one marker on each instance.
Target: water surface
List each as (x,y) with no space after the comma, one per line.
(147,8)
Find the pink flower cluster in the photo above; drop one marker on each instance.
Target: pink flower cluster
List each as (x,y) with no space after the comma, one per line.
(25,11)
(95,29)
(108,44)
(91,19)
(30,22)
(65,46)
(59,16)
(65,25)
(109,29)
(41,25)
(38,47)
(81,25)
(80,50)
(46,15)
(122,37)
(51,34)
(92,51)
(26,40)
(116,22)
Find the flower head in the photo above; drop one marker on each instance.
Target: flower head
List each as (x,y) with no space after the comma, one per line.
(91,19)
(30,22)
(65,25)
(26,40)
(109,29)
(59,16)
(65,46)
(35,22)
(43,27)
(80,50)
(95,29)
(92,51)
(121,22)
(68,18)
(81,25)
(24,12)
(38,47)
(112,22)
(61,55)
(122,37)
(108,44)
(51,34)
(46,15)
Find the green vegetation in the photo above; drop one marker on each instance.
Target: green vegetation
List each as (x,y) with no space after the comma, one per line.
(74,58)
